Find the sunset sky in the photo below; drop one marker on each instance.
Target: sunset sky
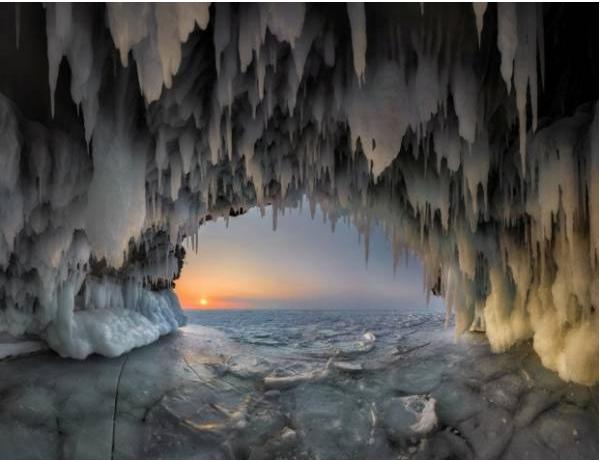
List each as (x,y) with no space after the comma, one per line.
(300,265)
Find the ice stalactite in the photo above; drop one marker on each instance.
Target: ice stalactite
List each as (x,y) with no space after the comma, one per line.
(154,33)
(439,131)
(70,32)
(356,14)
(65,224)
(479,10)
(116,207)
(507,39)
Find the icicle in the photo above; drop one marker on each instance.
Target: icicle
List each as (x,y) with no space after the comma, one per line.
(525,75)
(507,39)
(366,246)
(285,20)
(221,32)
(58,30)
(479,10)
(356,14)
(540,39)
(274,215)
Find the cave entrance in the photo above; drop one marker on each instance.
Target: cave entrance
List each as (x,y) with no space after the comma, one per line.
(306,263)
(305,303)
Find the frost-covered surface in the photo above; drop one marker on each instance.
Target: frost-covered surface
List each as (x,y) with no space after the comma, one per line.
(14,347)
(199,394)
(426,119)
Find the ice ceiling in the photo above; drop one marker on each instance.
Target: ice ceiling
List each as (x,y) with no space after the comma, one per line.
(470,132)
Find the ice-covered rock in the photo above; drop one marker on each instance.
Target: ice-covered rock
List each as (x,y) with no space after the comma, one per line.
(409,418)
(169,401)
(14,347)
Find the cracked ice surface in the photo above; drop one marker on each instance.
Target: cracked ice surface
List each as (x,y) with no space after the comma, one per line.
(426,120)
(184,397)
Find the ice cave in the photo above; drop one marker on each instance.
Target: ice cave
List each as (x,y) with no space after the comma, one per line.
(467,132)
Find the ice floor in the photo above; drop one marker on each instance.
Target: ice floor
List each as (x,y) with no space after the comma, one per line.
(196,394)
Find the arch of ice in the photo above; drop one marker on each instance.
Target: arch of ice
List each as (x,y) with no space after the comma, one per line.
(448,124)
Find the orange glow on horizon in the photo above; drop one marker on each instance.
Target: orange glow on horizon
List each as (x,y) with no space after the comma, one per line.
(248,266)
(206,304)
(243,268)
(232,286)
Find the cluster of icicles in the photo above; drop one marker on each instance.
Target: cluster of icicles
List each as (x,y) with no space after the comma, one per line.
(255,105)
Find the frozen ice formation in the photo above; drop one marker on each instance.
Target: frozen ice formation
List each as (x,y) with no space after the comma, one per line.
(448,125)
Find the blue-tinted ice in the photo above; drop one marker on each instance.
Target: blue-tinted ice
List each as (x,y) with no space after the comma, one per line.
(298,384)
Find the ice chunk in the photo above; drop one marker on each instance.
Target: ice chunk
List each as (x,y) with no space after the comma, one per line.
(16,348)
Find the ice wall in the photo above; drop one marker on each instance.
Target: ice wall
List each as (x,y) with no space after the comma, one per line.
(424,119)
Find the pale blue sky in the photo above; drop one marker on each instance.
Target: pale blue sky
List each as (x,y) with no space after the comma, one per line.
(300,265)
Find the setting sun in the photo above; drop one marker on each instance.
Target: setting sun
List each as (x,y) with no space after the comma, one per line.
(203,301)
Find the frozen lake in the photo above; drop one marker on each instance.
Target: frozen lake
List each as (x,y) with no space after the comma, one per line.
(298,384)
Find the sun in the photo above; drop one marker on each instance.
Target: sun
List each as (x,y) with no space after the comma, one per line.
(203,301)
